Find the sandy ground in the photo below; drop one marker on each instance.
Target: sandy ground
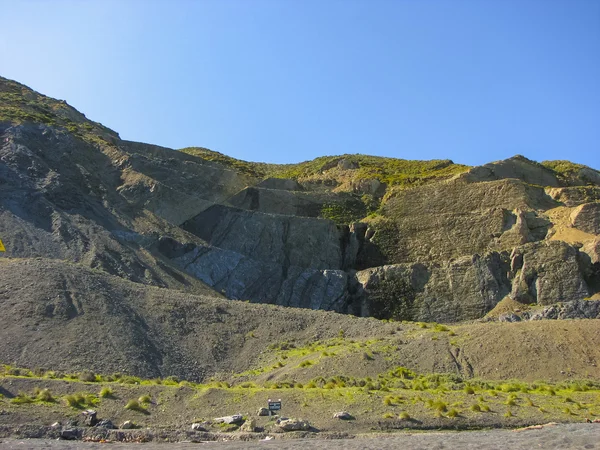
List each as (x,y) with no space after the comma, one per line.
(563,436)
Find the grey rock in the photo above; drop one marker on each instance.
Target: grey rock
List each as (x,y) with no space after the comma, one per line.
(70,434)
(241,277)
(285,424)
(234,419)
(578,309)
(105,423)
(90,418)
(248,426)
(343,415)
(586,217)
(127,425)
(463,289)
(284,240)
(509,317)
(198,427)
(550,273)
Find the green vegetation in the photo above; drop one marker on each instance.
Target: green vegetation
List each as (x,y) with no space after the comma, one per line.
(258,170)
(566,171)
(391,171)
(398,393)
(81,400)
(135,405)
(106,392)
(344,212)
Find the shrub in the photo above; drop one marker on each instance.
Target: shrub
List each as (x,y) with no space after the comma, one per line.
(74,400)
(134,405)
(404,416)
(45,395)
(388,415)
(508,413)
(475,408)
(106,392)
(469,390)
(22,398)
(453,413)
(145,399)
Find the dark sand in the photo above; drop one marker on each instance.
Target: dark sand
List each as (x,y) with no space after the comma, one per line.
(564,436)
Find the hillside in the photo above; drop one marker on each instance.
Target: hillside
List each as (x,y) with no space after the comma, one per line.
(346,272)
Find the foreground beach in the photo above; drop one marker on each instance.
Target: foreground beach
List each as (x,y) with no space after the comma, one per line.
(559,436)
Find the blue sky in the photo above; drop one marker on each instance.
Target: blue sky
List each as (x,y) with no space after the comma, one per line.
(288,80)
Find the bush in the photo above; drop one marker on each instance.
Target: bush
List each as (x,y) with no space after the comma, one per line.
(475,408)
(453,413)
(74,400)
(404,416)
(106,392)
(45,395)
(134,405)
(145,399)
(22,398)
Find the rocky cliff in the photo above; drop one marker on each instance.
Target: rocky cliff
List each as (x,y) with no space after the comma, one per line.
(419,240)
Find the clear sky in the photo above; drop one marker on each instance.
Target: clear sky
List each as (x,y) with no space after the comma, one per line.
(288,80)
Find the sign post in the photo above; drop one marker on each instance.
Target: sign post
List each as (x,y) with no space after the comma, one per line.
(274,406)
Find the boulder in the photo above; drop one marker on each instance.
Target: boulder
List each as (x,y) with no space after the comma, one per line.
(248,426)
(286,424)
(70,434)
(343,415)
(263,412)
(234,419)
(586,217)
(105,423)
(127,425)
(90,418)
(198,427)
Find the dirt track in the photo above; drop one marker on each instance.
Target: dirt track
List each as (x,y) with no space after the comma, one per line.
(571,436)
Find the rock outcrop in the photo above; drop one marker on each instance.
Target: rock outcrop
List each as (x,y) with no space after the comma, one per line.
(586,217)
(427,240)
(546,273)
